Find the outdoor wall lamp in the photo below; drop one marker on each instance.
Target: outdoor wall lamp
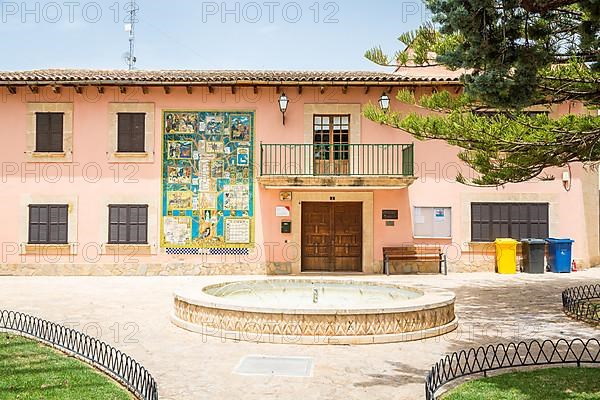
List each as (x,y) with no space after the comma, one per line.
(566,179)
(384,102)
(283,105)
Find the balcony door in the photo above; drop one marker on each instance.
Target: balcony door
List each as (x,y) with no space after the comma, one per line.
(331,139)
(331,237)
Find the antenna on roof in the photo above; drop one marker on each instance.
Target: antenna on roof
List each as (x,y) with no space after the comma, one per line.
(130,21)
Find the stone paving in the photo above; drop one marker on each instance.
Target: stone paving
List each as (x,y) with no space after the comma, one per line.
(132,313)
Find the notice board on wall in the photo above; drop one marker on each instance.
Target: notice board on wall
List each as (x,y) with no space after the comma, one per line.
(432,222)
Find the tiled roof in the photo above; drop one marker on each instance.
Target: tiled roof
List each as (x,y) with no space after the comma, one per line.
(183,77)
(440,72)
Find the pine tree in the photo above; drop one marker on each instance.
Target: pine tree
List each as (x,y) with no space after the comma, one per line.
(517,54)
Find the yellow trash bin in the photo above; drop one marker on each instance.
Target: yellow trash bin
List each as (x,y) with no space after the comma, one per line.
(506,256)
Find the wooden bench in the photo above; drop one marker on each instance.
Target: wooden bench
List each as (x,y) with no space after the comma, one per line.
(414,253)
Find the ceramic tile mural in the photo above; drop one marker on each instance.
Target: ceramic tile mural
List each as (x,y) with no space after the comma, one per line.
(208,179)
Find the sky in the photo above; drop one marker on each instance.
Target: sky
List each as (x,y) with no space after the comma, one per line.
(187,34)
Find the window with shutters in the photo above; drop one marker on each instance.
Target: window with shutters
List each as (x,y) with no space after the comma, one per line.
(49,132)
(490,221)
(131,132)
(128,224)
(48,223)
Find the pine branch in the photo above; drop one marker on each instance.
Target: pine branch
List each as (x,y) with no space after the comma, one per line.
(542,6)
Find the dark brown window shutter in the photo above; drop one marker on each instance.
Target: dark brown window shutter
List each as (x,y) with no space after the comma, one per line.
(490,221)
(128,223)
(48,223)
(42,127)
(131,132)
(49,132)
(138,127)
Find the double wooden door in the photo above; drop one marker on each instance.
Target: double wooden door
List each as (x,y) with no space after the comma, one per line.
(331,237)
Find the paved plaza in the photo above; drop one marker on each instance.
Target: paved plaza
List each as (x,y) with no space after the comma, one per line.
(133,313)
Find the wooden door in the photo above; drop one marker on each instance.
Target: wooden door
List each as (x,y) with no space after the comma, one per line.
(317,233)
(331,237)
(347,244)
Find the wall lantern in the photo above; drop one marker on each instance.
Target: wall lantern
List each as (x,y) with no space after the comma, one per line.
(566,179)
(384,102)
(283,105)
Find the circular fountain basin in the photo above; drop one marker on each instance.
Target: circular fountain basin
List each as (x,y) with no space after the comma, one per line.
(315,311)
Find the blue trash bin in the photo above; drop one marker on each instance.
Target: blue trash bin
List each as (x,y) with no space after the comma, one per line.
(559,255)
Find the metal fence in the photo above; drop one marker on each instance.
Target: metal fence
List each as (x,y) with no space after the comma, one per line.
(113,362)
(583,303)
(337,159)
(513,355)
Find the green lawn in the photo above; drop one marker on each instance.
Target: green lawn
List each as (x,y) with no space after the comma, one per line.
(543,384)
(31,371)
(596,302)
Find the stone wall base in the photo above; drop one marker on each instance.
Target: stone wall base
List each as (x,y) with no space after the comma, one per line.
(166,269)
(191,269)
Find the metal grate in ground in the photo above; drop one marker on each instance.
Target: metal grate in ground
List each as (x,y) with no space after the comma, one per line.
(296,367)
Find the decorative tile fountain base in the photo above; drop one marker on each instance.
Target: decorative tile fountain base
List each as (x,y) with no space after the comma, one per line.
(237,311)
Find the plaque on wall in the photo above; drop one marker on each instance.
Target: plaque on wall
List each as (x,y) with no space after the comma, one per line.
(389,214)
(285,196)
(282,211)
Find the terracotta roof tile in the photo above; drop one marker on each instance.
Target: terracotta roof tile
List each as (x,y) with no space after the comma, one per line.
(432,73)
(85,76)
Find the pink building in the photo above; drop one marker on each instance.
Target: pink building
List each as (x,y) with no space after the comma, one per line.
(195,172)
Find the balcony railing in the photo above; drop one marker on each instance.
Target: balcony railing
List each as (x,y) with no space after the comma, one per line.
(337,160)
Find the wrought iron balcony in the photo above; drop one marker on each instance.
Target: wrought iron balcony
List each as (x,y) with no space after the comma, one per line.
(337,164)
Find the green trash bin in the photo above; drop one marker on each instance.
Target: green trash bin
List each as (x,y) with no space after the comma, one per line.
(532,261)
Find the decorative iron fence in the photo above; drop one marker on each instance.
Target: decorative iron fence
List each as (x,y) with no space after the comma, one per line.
(513,355)
(337,159)
(583,303)
(113,362)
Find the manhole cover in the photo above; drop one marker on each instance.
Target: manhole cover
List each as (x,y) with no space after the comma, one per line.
(275,366)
